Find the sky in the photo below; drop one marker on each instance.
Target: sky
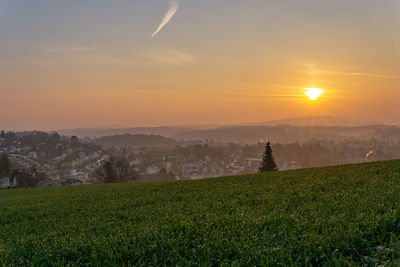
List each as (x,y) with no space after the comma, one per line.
(125,63)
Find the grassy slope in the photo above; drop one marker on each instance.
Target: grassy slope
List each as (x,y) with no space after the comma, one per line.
(318,216)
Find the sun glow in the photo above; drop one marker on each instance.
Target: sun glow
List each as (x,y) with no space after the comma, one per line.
(313,93)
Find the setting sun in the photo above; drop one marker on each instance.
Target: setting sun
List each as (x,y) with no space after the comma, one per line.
(313,93)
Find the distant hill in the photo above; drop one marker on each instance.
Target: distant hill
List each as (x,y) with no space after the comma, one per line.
(310,121)
(134,140)
(282,133)
(287,133)
(167,131)
(173,131)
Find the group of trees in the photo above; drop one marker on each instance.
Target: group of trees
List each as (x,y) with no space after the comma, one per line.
(24,179)
(4,166)
(115,170)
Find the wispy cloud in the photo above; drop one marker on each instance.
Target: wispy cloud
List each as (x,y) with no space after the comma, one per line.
(73,49)
(271,95)
(364,74)
(173,8)
(311,68)
(289,96)
(169,57)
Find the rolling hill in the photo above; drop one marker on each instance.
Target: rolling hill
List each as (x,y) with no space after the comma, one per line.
(134,140)
(344,215)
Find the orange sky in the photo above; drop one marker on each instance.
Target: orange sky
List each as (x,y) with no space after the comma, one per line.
(78,65)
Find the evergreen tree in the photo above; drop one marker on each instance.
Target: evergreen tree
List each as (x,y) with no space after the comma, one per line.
(268,164)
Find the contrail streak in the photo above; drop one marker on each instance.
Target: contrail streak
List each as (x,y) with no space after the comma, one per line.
(173,8)
(364,74)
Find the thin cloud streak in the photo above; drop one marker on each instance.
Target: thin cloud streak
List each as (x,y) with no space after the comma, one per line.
(169,57)
(361,74)
(313,69)
(173,8)
(269,95)
(297,96)
(373,75)
(73,49)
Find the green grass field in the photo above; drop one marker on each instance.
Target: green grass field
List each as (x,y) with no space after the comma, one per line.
(345,215)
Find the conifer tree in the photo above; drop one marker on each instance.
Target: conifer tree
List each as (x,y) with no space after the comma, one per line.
(268,164)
